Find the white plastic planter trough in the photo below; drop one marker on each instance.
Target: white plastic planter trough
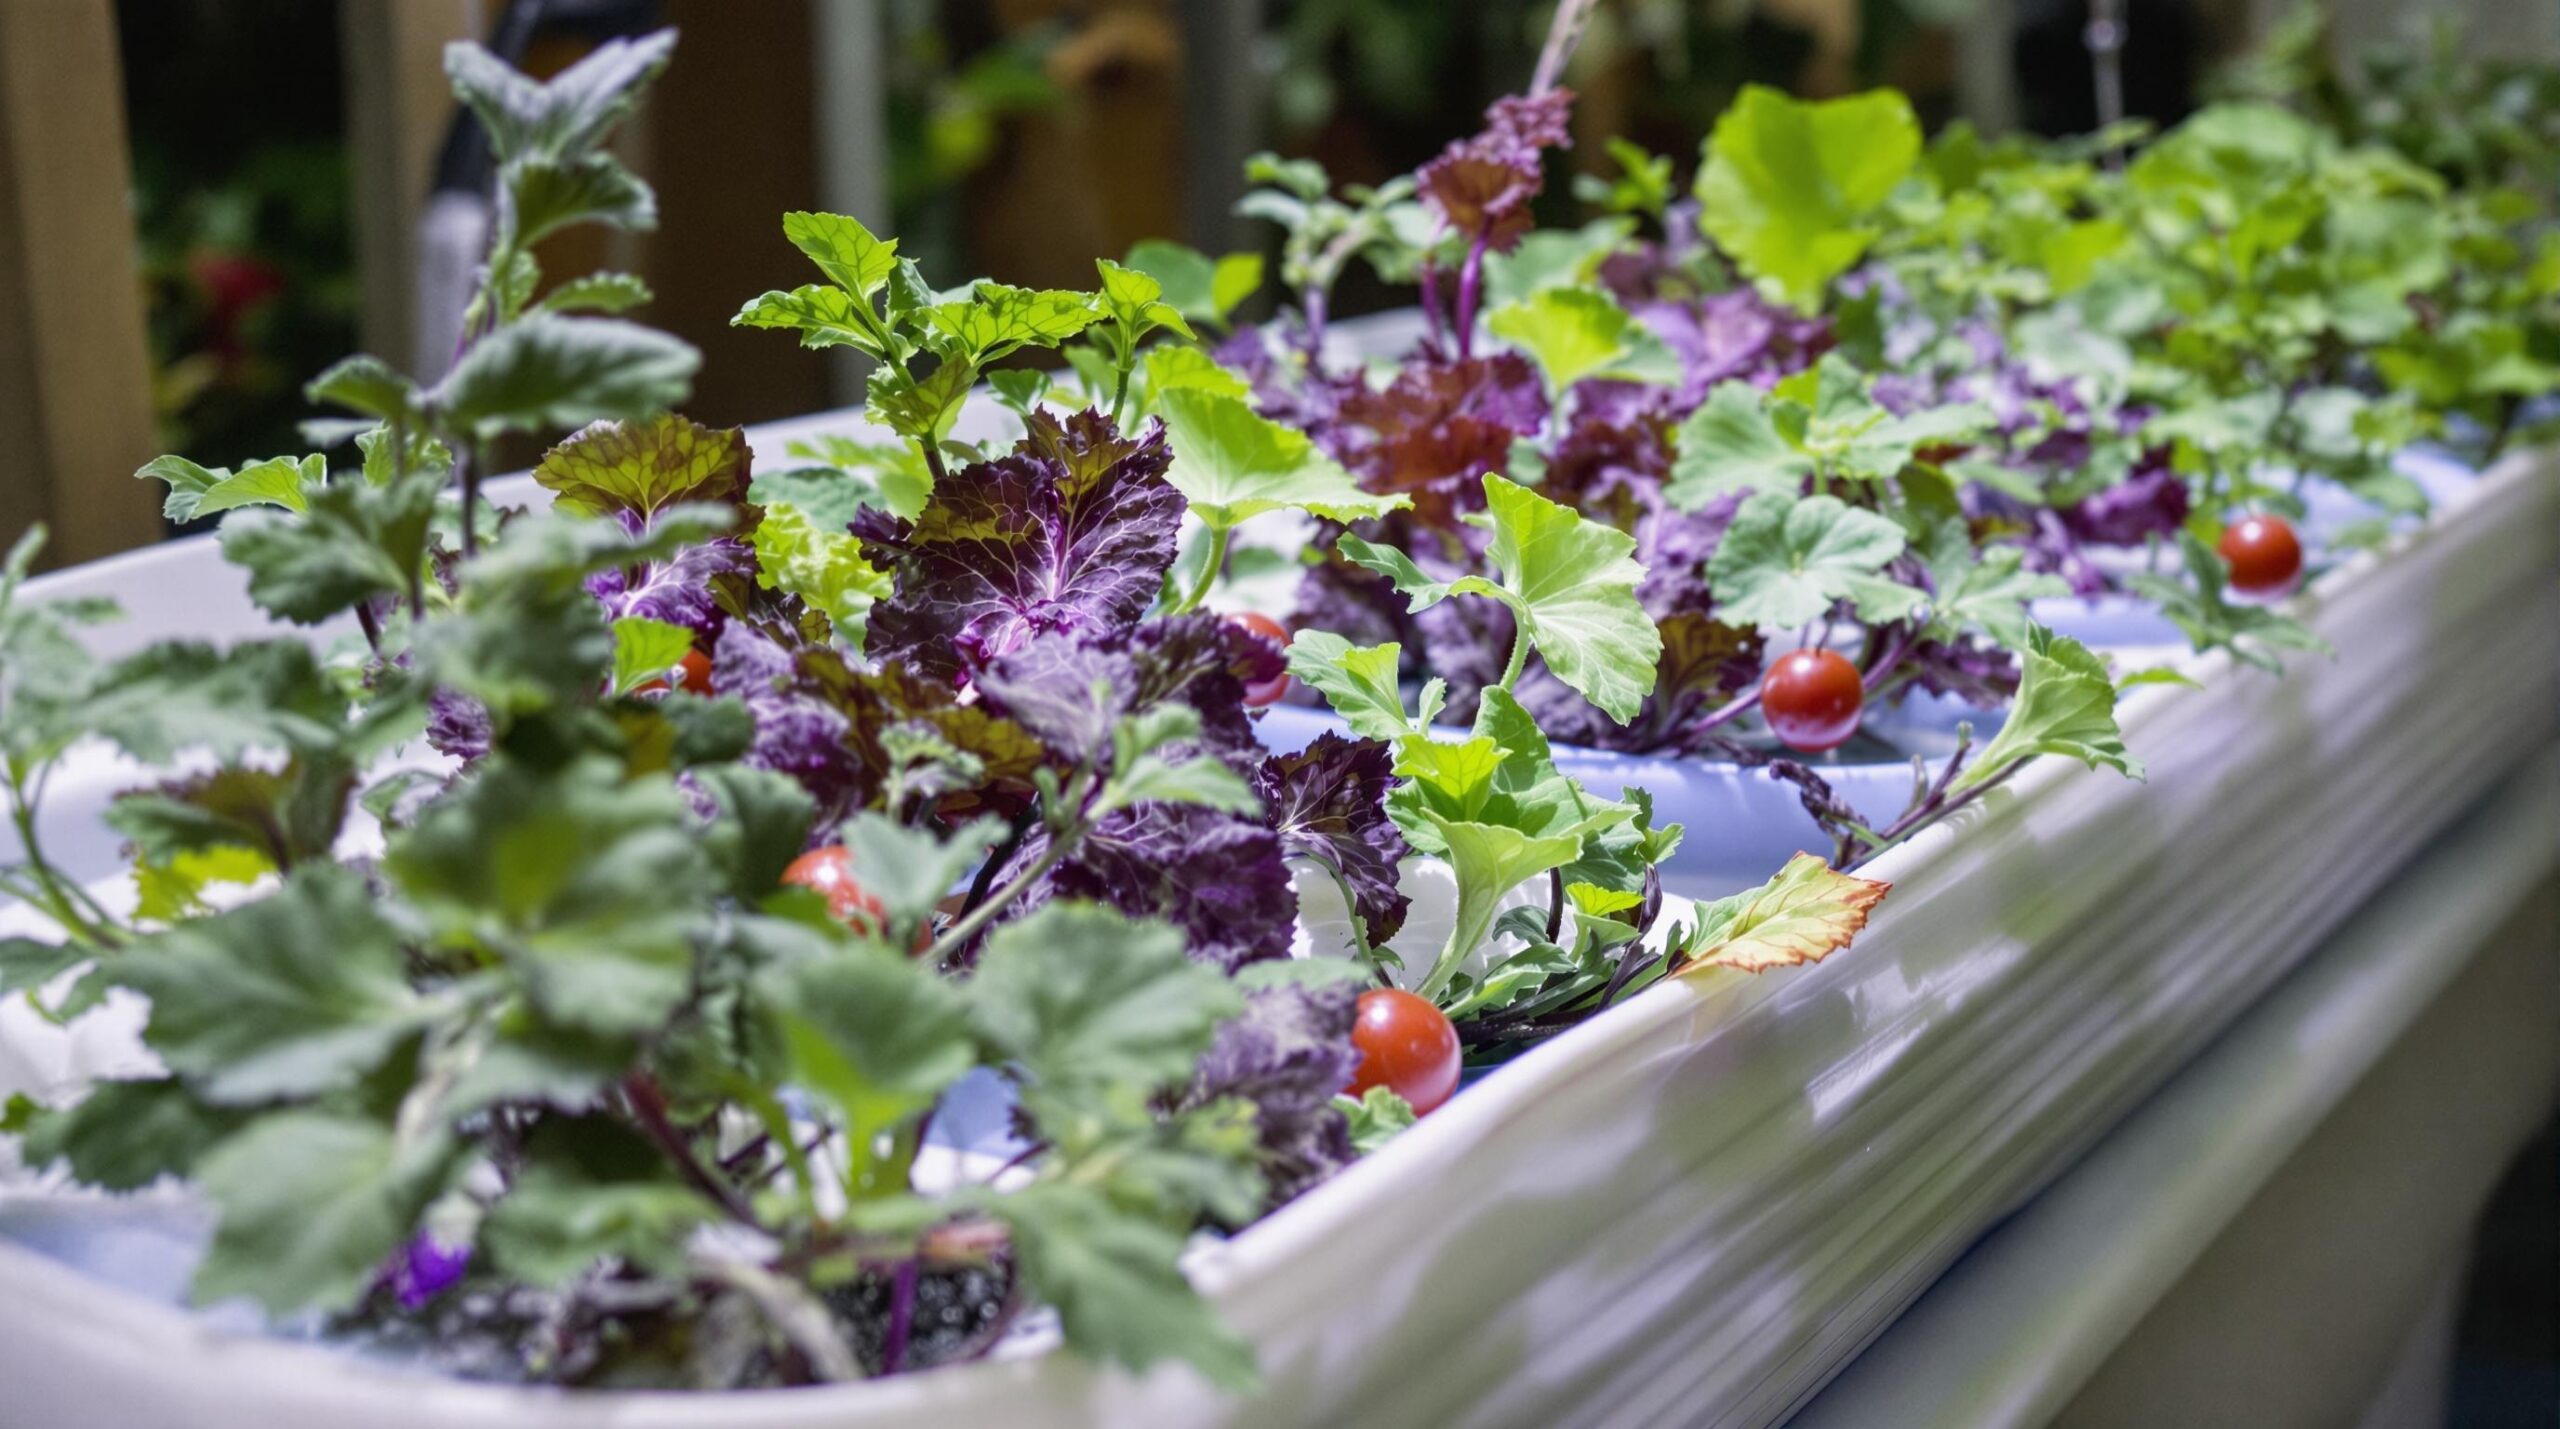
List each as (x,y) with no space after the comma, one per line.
(1700,1204)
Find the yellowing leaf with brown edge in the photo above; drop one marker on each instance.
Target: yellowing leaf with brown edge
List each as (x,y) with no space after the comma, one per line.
(1805,914)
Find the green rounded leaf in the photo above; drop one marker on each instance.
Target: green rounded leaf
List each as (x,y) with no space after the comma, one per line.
(1791,187)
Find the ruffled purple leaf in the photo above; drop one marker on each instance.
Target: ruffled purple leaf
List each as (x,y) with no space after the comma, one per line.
(2151,501)
(1971,670)
(800,731)
(1288,1053)
(1219,877)
(821,721)
(685,590)
(1328,802)
(458,725)
(1481,186)
(1073,532)
(1071,691)
(1434,431)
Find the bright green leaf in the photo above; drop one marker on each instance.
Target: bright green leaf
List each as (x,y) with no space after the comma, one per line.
(2066,705)
(645,650)
(1233,464)
(1785,560)
(1791,189)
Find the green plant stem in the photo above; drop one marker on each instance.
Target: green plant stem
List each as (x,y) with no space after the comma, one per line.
(1351,906)
(1120,384)
(777,1125)
(1463,938)
(1519,653)
(1209,569)
(59,903)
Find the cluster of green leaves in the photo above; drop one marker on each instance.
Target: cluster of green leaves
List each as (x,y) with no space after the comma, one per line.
(1494,805)
(560,983)
(1497,809)
(2286,303)
(1891,546)
(1324,229)
(565,1009)
(2481,121)
(1993,227)
(1576,333)
(1820,426)
(318,545)
(931,347)
(555,171)
(1569,583)
(2200,607)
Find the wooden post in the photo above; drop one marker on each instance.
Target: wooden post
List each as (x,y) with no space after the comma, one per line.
(728,138)
(75,373)
(398,108)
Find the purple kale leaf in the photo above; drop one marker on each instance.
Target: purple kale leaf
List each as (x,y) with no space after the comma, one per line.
(1674,547)
(1219,877)
(1734,335)
(1328,802)
(800,731)
(1971,669)
(458,725)
(1481,185)
(1357,604)
(1071,691)
(1705,664)
(1467,643)
(634,470)
(2151,501)
(1612,458)
(1435,430)
(821,720)
(424,1269)
(1288,1053)
(1073,532)
(631,471)
(690,589)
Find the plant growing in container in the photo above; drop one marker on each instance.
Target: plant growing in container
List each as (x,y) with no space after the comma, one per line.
(1769,497)
(768,823)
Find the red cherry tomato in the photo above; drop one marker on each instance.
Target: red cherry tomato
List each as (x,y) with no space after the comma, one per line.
(2263,553)
(1407,1046)
(1262,692)
(1811,699)
(829,871)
